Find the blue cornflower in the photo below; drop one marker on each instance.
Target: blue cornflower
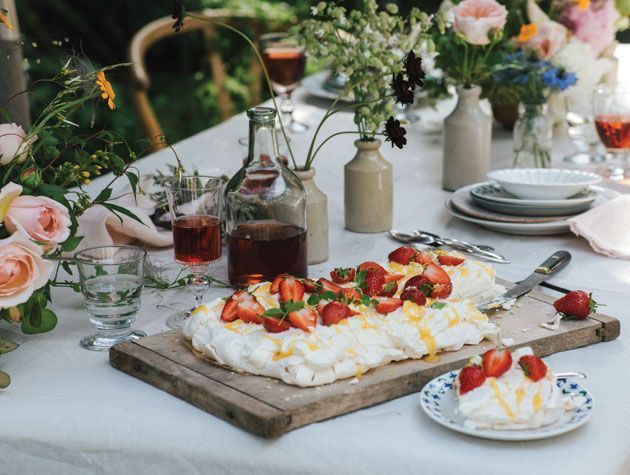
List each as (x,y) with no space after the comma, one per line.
(514,56)
(555,78)
(521,78)
(566,80)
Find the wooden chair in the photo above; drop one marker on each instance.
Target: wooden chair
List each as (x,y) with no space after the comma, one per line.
(162,28)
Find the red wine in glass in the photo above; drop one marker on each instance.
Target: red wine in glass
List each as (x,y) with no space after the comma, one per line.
(197,239)
(260,250)
(614,131)
(285,65)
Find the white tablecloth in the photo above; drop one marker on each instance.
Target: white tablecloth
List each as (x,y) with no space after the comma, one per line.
(68,411)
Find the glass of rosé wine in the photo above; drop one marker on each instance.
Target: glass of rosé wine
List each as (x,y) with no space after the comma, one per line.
(611,107)
(196,209)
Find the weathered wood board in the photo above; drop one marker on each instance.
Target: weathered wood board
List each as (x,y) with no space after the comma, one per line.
(269,408)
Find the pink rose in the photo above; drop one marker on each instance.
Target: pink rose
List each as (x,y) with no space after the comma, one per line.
(41,219)
(14,145)
(594,25)
(549,38)
(476,18)
(22,270)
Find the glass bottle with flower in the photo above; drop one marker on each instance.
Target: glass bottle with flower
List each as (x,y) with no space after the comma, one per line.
(535,80)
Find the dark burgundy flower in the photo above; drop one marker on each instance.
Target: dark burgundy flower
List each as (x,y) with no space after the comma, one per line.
(413,67)
(179,11)
(402,89)
(394,133)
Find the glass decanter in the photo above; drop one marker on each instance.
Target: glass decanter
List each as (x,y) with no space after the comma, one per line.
(265,206)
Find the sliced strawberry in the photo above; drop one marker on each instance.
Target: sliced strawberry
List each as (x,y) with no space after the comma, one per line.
(442,291)
(228,314)
(496,362)
(533,367)
(351,294)
(276,325)
(321,305)
(374,282)
(310,286)
(342,275)
(576,304)
(249,309)
(291,289)
(328,286)
(403,255)
(304,319)
(423,258)
(388,305)
(389,289)
(371,265)
(471,377)
(415,295)
(442,286)
(393,277)
(447,260)
(334,312)
(275,285)
(420,282)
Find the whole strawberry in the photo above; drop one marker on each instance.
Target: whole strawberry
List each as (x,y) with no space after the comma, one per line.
(576,304)
(533,367)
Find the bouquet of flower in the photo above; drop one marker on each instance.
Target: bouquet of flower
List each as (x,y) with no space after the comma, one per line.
(38,213)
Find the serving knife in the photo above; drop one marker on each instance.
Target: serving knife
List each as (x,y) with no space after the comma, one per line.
(553,264)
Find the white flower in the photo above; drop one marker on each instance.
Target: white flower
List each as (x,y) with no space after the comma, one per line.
(14,143)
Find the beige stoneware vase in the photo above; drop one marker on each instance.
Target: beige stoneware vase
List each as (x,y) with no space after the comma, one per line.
(368,189)
(467,141)
(316,218)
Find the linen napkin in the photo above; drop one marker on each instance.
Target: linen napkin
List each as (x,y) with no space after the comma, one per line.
(606,227)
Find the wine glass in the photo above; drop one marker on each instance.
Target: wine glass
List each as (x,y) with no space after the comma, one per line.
(285,61)
(196,209)
(581,131)
(611,106)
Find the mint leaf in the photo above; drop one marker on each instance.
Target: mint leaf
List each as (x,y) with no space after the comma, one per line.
(273,313)
(438,305)
(360,278)
(292,306)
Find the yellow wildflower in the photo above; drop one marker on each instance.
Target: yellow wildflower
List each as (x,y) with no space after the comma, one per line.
(85,174)
(87,181)
(583,4)
(527,32)
(108,93)
(4,19)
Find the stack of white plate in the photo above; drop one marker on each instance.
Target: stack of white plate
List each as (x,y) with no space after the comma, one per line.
(529,201)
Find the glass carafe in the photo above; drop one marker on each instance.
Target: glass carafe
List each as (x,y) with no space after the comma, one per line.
(265,211)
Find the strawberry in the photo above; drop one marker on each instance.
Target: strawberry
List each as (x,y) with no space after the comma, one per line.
(334,312)
(389,289)
(374,282)
(321,305)
(304,319)
(413,294)
(577,304)
(420,282)
(496,362)
(310,286)
(470,377)
(291,289)
(275,285)
(328,286)
(442,286)
(276,325)
(228,314)
(388,305)
(533,367)
(403,255)
(371,265)
(447,260)
(351,294)
(393,277)
(423,258)
(249,309)
(342,275)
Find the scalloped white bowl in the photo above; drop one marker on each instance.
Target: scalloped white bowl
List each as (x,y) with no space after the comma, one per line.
(543,183)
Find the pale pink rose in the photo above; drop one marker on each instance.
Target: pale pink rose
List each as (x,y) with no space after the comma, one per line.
(595,25)
(22,270)
(475,19)
(549,39)
(14,145)
(40,218)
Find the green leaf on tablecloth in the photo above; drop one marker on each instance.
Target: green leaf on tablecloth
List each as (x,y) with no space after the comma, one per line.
(71,243)
(119,209)
(7,345)
(5,380)
(40,320)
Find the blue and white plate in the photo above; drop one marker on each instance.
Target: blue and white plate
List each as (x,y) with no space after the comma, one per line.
(439,402)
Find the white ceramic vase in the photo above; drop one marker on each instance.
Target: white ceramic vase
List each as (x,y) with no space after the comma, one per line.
(368,189)
(316,218)
(467,141)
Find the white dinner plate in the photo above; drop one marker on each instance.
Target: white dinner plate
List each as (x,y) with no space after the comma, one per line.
(439,401)
(523,229)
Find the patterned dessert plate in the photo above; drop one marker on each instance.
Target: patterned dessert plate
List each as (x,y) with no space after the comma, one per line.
(439,402)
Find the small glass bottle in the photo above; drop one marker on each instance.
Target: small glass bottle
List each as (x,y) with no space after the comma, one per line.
(265,211)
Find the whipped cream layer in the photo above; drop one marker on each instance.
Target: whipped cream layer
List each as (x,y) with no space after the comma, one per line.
(512,401)
(347,349)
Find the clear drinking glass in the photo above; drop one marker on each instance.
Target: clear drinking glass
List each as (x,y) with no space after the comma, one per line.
(196,208)
(285,60)
(111,280)
(611,107)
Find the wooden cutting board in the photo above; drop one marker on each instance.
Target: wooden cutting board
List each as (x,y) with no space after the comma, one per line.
(269,408)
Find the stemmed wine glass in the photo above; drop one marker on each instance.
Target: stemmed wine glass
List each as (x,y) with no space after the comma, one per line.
(611,106)
(196,209)
(285,61)
(581,131)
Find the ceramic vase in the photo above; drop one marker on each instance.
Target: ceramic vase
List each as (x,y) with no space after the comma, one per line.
(316,217)
(368,189)
(467,141)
